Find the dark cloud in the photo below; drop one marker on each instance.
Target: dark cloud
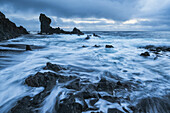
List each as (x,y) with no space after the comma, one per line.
(156,12)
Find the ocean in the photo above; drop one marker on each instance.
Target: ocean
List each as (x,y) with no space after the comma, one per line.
(149,77)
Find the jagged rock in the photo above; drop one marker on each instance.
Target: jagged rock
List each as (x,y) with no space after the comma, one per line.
(77,31)
(47,29)
(53,67)
(109,46)
(8,29)
(145,54)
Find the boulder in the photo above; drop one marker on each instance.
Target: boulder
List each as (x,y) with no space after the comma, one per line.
(8,29)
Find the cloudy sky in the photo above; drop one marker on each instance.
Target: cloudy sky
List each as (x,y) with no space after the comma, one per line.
(91,15)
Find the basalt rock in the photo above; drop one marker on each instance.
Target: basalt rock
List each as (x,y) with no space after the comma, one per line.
(109,46)
(145,54)
(47,29)
(8,29)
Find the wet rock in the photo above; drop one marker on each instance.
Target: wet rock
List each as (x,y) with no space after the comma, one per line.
(157,49)
(21,106)
(95,35)
(105,85)
(47,29)
(75,84)
(145,54)
(45,24)
(53,67)
(77,31)
(113,110)
(119,83)
(70,108)
(153,105)
(88,37)
(9,29)
(46,79)
(28,48)
(109,46)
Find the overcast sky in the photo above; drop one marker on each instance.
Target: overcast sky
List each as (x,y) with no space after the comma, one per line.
(91,15)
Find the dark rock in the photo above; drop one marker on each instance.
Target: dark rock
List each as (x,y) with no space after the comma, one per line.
(109,46)
(28,48)
(46,79)
(75,84)
(88,37)
(8,29)
(95,35)
(47,29)
(105,85)
(77,31)
(53,67)
(145,54)
(84,46)
(110,99)
(45,24)
(69,108)
(21,106)
(119,83)
(96,46)
(113,110)
(153,105)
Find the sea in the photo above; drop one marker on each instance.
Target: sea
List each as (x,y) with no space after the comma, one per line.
(123,61)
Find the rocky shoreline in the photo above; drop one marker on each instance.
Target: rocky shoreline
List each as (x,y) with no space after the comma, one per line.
(8,29)
(82,95)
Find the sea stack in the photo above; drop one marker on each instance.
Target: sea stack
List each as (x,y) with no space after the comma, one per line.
(8,29)
(47,29)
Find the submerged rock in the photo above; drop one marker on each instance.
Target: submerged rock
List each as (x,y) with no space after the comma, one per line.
(88,37)
(8,29)
(47,29)
(95,35)
(145,54)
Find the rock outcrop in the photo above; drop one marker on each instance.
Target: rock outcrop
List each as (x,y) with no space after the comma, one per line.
(8,29)
(47,29)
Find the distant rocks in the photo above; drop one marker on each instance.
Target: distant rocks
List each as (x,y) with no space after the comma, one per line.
(109,46)
(145,54)
(77,31)
(8,29)
(47,29)
(96,35)
(88,37)
(157,50)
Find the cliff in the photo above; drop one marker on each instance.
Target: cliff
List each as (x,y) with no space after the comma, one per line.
(8,29)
